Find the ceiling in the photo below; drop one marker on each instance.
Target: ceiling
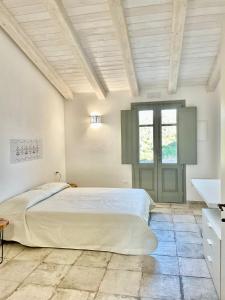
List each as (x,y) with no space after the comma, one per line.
(100,46)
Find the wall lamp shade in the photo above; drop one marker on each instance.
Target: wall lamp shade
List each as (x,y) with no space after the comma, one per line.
(95,120)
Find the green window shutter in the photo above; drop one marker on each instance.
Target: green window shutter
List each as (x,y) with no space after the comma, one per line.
(127,136)
(187,135)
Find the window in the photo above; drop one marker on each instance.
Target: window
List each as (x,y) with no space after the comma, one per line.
(146,138)
(169,136)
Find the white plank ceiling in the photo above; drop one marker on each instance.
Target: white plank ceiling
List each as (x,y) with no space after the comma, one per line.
(147,37)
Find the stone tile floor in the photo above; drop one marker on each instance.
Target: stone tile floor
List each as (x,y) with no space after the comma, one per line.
(176,270)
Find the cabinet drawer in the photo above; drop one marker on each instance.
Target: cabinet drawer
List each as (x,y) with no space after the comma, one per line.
(212,244)
(211,222)
(212,255)
(208,231)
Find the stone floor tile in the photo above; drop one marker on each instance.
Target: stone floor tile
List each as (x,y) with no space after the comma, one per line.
(82,278)
(7,288)
(190,250)
(198,289)
(161,217)
(125,283)
(160,287)
(184,219)
(68,294)
(153,298)
(91,296)
(33,254)
(180,205)
(5,261)
(164,210)
(94,259)
(102,296)
(188,237)
(161,298)
(197,212)
(180,211)
(162,205)
(126,262)
(16,270)
(198,205)
(63,256)
(32,291)
(200,227)
(164,235)
(161,225)
(166,248)
(195,267)
(11,250)
(47,274)
(192,227)
(157,264)
(198,219)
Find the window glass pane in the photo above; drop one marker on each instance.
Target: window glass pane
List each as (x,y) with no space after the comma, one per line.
(169,144)
(146,144)
(169,116)
(145,117)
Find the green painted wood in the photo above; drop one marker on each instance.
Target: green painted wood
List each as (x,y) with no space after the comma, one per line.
(170,183)
(187,135)
(128,145)
(164,182)
(170,176)
(145,177)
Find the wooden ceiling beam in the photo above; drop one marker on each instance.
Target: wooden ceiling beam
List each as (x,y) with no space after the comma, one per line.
(58,13)
(117,13)
(178,22)
(215,74)
(214,77)
(9,24)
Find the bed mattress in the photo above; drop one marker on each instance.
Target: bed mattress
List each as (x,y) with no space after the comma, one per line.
(104,219)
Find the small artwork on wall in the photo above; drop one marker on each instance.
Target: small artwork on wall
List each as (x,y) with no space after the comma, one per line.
(25,150)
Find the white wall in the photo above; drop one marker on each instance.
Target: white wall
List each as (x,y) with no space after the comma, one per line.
(93,156)
(221,91)
(218,93)
(29,108)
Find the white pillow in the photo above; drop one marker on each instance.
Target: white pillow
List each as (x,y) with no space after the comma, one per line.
(52,187)
(23,201)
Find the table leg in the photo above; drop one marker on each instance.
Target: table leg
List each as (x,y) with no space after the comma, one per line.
(1,239)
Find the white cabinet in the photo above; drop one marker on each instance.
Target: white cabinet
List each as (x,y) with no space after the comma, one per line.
(209,190)
(223,258)
(214,246)
(211,226)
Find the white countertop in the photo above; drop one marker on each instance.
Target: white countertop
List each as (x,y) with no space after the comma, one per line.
(209,190)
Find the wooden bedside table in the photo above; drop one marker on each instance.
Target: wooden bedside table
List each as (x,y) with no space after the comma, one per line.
(73,185)
(3,224)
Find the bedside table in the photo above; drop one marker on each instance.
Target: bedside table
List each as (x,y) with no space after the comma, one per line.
(3,224)
(73,185)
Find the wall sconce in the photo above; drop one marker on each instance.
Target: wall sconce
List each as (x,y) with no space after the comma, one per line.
(95,120)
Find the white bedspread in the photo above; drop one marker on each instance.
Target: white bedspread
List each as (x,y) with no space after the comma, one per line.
(105,219)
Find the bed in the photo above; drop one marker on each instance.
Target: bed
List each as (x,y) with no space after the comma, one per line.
(104,219)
